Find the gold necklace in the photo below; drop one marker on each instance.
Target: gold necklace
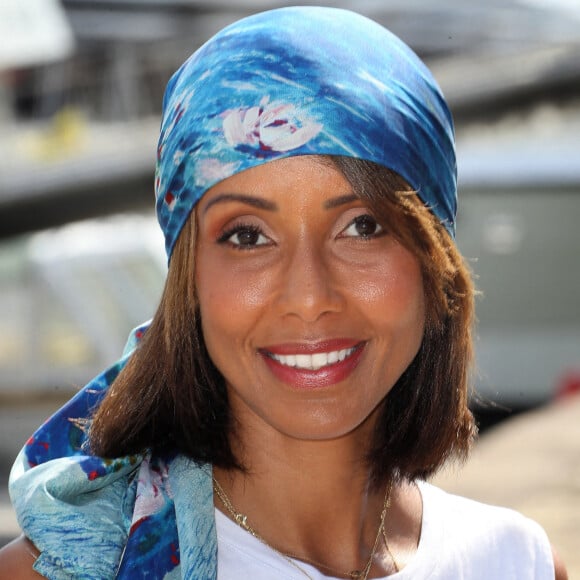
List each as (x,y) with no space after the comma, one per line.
(391,555)
(242,520)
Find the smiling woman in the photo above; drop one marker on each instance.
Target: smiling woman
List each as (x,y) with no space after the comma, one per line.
(310,357)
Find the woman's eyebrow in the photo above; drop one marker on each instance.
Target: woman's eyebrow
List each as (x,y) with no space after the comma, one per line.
(340,200)
(251,200)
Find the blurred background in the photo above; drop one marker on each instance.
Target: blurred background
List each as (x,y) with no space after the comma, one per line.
(82,261)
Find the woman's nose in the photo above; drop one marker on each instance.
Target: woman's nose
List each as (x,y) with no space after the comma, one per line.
(309,286)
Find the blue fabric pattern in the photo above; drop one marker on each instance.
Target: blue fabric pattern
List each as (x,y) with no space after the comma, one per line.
(94,518)
(300,81)
(293,81)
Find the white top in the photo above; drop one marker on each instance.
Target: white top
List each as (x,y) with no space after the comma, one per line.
(461,539)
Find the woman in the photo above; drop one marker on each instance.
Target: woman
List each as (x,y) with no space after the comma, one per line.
(307,367)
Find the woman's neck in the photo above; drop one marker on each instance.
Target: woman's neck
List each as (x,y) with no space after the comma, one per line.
(311,499)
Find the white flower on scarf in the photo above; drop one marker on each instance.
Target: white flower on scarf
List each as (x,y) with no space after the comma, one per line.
(269,127)
(150,498)
(211,170)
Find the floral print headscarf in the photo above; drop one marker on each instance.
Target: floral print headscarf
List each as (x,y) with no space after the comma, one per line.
(300,81)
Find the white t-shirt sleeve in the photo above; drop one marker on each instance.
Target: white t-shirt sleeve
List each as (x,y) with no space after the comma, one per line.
(476,541)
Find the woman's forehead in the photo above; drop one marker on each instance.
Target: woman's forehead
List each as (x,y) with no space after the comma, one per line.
(282,183)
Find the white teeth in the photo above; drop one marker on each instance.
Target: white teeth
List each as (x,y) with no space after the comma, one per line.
(303,361)
(312,362)
(320,359)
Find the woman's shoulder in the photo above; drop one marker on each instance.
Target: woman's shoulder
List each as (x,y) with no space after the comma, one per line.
(17,559)
(463,514)
(488,536)
(464,511)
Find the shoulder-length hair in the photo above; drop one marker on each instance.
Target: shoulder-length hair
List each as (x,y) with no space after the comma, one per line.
(171,397)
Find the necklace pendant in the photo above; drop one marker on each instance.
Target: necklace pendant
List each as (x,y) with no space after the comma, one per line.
(242,520)
(355,574)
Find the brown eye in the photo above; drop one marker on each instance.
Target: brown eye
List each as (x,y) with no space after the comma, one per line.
(363,226)
(243,236)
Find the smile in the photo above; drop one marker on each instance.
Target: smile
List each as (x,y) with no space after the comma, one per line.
(313,366)
(312,362)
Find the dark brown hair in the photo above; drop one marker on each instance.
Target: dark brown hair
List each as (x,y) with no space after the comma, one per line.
(170,396)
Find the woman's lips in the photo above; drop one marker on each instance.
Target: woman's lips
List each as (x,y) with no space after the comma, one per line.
(313,365)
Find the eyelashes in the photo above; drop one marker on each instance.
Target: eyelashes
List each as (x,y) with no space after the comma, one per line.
(247,236)
(364,226)
(243,236)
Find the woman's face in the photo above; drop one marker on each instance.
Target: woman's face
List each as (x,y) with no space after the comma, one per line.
(309,309)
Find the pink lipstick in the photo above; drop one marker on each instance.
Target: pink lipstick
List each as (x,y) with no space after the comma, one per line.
(313,365)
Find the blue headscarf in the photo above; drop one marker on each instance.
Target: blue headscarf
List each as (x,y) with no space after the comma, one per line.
(302,81)
(293,81)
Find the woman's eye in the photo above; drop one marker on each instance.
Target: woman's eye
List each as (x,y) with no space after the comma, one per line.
(244,237)
(363,226)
